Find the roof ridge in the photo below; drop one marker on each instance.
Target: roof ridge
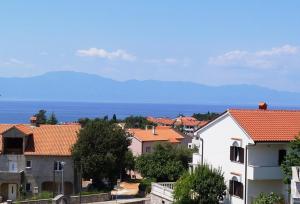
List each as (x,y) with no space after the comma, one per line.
(268,110)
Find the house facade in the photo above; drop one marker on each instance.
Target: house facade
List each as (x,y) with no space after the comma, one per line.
(249,146)
(144,140)
(33,159)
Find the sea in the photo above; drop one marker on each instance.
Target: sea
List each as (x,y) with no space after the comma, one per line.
(21,111)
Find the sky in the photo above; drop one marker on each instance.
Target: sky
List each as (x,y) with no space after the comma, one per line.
(208,42)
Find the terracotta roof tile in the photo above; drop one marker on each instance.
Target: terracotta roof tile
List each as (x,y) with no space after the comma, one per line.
(47,139)
(163,121)
(162,134)
(268,125)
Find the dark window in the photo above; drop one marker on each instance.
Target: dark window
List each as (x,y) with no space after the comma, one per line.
(236,188)
(148,149)
(237,154)
(281,156)
(57,166)
(28,164)
(28,187)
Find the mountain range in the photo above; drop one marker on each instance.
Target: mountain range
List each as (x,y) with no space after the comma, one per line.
(75,86)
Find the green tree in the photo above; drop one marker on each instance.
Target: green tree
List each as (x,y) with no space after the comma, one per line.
(52,120)
(271,198)
(291,159)
(114,118)
(41,117)
(165,163)
(205,185)
(136,122)
(101,150)
(205,116)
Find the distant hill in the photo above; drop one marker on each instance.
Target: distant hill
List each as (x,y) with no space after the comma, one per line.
(74,86)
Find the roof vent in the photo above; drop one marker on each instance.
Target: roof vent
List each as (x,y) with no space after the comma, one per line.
(262,106)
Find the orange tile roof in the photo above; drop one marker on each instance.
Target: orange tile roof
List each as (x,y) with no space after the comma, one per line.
(164,121)
(189,121)
(163,133)
(268,125)
(55,140)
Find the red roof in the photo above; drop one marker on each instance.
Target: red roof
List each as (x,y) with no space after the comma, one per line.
(163,133)
(162,121)
(268,125)
(46,140)
(189,121)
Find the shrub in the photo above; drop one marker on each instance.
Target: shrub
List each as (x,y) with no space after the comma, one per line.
(271,198)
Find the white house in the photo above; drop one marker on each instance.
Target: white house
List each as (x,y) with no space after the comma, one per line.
(249,146)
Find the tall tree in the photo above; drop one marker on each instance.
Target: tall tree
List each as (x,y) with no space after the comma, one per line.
(101,150)
(136,122)
(52,120)
(291,159)
(205,185)
(41,117)
(165,163)
(114,118)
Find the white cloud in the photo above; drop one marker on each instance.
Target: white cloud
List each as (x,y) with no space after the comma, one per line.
(169,61)
(258,59)
(11,62)
(101,53)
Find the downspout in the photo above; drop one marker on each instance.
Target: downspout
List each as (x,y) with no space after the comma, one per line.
(246,180)
(202,145)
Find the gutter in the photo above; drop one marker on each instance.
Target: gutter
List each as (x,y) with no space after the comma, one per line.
(202,145)
(246,180)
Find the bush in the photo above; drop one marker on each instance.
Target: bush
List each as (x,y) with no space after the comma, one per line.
(271,198)
(145,185)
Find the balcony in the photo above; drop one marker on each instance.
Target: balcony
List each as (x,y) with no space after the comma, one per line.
(163,190)
(10,177)
(264,172)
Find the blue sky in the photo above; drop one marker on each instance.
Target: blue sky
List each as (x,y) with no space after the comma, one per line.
(208,42)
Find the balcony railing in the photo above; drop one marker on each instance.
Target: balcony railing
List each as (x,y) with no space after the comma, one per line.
(264,172)
(163,190)
(7,176)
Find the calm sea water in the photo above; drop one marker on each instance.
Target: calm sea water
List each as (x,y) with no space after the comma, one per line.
(20,111)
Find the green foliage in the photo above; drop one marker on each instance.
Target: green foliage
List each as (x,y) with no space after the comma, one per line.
(165,163)
(271,198)
(292,159)
(145,185)
(136,122)
(114,118)
(205,116)
(129,161)
(41,117)
(101,150)
(52,120)
(205,185)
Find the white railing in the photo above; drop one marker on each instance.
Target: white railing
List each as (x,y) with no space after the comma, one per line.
(163,190)
(264,172)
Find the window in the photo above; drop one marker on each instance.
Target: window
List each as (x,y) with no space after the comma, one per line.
(148,149)
(28,164)
(237,154)
(281,156)
(57,166)
(235,188)
(28,187)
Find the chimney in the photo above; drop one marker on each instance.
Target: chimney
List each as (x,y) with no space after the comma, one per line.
(262,106)
(33,120)
(153,130)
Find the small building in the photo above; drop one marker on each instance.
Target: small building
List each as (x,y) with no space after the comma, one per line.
(33,159)
(188,125)
(249,146)
(143,140)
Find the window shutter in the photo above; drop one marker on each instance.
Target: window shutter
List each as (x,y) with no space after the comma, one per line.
(241,155)
(231,187)
(232,153)
(241,190)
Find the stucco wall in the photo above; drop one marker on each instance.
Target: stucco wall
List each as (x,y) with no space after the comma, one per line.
(216,149)
(136,146)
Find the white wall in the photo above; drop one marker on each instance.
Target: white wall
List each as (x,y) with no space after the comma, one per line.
(217,140)
(264,154)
